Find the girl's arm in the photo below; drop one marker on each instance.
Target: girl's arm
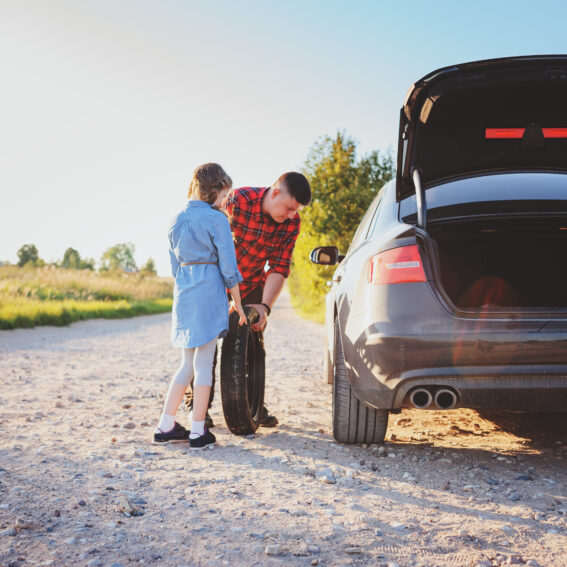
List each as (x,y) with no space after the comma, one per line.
(235,292)
(172,257)
(222,239)
(174,263)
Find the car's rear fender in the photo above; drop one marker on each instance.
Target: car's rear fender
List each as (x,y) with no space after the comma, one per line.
(385,347)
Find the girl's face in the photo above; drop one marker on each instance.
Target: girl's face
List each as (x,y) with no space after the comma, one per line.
(221,196)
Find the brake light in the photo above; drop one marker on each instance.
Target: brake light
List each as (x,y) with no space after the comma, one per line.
(517,133)
(554,132)
(398,265)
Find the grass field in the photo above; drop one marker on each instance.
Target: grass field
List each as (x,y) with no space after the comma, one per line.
(56,296)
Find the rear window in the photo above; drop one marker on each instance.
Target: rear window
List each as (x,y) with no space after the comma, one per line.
(492,194)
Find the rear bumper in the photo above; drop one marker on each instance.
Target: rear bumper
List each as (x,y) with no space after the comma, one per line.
(514,387)
(516,365)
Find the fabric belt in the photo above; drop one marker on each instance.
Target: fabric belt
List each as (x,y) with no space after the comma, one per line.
(195,263)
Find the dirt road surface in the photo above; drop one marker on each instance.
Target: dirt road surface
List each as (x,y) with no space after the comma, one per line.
(81,484)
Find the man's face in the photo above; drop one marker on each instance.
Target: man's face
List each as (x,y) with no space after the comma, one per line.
(282,205)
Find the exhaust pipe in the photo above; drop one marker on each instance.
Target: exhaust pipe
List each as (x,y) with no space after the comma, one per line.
(421,398)
(445,399)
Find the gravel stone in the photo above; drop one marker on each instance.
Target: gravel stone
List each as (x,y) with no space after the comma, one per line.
(353,550)
(313,549)
(273,549)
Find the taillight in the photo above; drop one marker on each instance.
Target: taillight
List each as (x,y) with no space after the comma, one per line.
(398,265)
(517,133)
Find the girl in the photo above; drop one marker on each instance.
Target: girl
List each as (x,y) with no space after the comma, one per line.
(203,263)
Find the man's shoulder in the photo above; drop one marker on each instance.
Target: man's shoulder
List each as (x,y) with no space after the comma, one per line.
(247,194)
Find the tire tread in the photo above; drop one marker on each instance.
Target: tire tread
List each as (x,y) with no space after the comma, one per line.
(353,421)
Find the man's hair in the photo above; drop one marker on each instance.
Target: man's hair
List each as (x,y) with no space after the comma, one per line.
(297,186)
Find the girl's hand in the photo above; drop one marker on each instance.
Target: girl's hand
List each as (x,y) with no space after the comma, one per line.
(242,320)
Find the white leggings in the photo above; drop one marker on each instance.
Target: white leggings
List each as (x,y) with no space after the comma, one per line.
(198,361)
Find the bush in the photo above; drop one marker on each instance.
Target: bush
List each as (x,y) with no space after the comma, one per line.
(149,267)
(72,260)
(343,186)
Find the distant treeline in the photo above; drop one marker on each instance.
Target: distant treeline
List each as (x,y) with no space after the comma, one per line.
(117,257)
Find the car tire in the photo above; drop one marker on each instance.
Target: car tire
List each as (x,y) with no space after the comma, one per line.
(242,375)
(353,421)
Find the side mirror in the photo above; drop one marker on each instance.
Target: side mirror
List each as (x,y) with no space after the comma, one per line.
(326,255)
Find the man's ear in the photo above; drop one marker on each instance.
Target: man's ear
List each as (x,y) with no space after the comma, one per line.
(276,191)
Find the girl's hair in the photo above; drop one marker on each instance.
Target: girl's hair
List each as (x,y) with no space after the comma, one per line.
(208,179)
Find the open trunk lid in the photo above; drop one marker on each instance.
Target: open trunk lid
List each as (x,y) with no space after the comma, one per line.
(487,116)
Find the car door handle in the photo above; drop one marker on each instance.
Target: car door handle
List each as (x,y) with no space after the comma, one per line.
(337,279)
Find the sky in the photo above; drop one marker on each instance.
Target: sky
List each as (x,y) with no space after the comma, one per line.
(107,106)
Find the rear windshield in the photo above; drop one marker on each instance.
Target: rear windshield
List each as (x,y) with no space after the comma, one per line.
(451,136)
(492,194)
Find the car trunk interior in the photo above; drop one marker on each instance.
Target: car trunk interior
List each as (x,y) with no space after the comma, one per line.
(503,264)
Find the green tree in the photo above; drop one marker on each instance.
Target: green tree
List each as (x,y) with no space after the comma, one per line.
(149,267)
(71,259)
(343,186)
(119,257)
(28,254)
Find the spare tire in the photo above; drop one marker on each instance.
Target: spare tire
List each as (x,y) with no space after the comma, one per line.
(242,374)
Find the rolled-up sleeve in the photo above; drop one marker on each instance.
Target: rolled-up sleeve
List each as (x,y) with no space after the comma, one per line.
(280,262)
(222,238)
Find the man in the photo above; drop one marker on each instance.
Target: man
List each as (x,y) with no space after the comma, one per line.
(265,223)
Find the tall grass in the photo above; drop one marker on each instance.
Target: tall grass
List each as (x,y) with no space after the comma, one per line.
(57,296)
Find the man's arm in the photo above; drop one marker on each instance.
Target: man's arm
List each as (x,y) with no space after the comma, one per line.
(280,264)
(272,288)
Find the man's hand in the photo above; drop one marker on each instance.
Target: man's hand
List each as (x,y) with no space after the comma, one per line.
(260,325)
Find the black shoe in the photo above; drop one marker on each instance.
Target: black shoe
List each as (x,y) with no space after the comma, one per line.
(209,423)
(267,420)
(203,440)
(175,435)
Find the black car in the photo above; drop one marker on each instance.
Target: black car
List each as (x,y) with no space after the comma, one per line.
(453,292)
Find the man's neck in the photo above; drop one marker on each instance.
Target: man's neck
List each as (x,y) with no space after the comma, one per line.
(264,204)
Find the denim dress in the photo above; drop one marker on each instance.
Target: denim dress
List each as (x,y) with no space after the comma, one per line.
(201,233)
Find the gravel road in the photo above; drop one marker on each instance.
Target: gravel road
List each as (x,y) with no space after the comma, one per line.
(81,483)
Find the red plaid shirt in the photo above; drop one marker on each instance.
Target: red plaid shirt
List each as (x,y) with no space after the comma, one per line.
(258,239)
